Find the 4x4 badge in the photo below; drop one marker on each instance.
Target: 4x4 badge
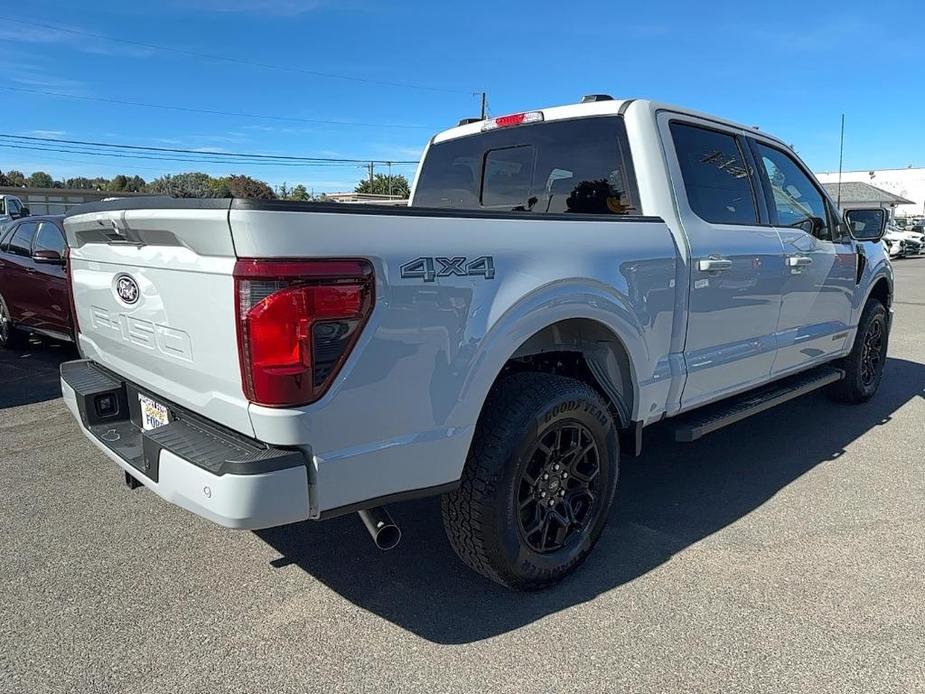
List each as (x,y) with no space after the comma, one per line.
(427,269)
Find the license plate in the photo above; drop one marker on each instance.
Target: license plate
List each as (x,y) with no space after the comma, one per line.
(153,414)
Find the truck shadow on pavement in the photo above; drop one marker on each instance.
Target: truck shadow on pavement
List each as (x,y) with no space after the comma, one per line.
(30,374)
(671,497)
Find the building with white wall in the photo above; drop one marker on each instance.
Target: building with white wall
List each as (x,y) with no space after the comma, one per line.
(908,183)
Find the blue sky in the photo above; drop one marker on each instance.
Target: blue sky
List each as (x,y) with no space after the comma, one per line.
(790,67)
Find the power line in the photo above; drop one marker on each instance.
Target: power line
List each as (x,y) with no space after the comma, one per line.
(228,59)
(213,112)
(189,160)
(273,158)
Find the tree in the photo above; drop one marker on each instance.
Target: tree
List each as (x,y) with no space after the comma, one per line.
(16,178)
(4,181)
(118,183)
(135,184)
(300,193)
(246,187)
(193,184)
(384,184)
(40,179)
(283,192)
(79,183)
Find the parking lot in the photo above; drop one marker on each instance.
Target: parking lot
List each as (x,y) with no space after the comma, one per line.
(784,553)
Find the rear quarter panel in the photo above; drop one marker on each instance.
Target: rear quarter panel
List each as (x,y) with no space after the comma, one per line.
(401,414)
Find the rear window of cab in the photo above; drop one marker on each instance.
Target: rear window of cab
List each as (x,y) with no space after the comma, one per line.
(578,166)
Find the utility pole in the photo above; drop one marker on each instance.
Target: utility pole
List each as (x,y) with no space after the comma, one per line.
(841,152)
(390,178)
(484,105)
(371,176)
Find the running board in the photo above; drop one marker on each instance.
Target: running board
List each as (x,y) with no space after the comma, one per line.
(709,418)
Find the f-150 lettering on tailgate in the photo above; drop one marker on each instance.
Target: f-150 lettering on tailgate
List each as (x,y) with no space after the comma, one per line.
(147,334)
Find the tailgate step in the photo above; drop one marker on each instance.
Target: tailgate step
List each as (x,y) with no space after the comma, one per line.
(709,418)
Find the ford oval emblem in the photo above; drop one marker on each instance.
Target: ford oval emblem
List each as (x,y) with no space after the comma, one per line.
(127,289)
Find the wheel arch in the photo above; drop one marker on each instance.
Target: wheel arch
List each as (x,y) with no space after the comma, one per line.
(882,290)
(584,349)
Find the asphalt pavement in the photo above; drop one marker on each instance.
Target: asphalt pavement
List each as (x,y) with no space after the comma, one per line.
(783,554)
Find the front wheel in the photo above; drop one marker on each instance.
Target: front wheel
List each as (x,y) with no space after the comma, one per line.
(864,364)
(538,483)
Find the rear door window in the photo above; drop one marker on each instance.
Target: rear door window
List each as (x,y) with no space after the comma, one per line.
(21,243)
(577,166)
(716,177)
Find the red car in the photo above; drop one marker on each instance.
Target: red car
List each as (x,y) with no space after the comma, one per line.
(34,283)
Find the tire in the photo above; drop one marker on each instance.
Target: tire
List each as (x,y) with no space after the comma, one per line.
(864,364)
(10,337)
(531,426)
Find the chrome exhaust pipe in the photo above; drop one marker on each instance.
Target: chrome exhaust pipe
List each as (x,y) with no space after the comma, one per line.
(381,527)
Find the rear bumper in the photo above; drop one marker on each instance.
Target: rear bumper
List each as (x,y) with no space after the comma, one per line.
(230,479)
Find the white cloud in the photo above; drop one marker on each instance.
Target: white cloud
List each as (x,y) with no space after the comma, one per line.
(45,80)
(47,133)
(71,37)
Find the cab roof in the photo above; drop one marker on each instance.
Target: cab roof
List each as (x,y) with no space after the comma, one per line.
(602,108)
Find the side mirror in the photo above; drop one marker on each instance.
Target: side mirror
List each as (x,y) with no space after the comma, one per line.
(866,225)
(48,257)
(25,212)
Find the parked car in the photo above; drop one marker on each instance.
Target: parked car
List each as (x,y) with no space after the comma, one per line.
(11,208)
(897,239)
(34,283)
(564,278)
(917,236)
(895,249)
(913,240)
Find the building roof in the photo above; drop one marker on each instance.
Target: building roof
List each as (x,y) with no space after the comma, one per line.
(855,192)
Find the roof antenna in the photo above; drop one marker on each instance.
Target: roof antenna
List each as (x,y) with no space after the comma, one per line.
(841,152)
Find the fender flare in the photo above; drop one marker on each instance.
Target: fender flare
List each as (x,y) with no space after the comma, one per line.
(541,308)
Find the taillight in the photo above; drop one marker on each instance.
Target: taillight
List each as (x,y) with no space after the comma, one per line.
(513,119)
(297,322)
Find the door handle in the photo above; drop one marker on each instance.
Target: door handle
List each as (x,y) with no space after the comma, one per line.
(798,261)
(713,264)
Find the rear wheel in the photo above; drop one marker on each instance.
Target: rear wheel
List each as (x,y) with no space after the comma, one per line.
(9,336)
(538,483)
(864,365)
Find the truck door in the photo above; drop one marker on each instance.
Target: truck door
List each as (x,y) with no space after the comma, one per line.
(736,259)
(820,259)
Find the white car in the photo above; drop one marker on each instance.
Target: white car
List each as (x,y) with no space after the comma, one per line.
(899,245)
(893,248)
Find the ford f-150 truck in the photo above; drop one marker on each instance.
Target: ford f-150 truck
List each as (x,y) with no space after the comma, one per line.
(562,279)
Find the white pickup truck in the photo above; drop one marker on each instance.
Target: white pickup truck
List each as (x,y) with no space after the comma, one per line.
(11,208)
(562,279)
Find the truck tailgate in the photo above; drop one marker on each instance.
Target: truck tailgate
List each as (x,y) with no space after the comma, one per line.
(154,300)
